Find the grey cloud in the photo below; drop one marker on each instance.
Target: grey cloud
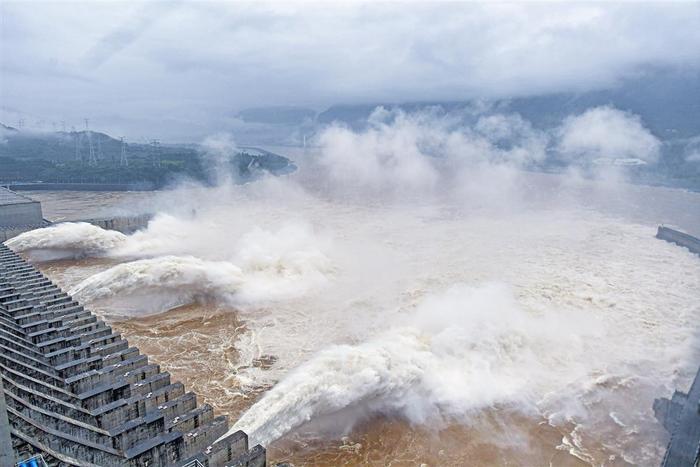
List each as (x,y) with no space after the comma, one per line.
(127,33)
(199,61)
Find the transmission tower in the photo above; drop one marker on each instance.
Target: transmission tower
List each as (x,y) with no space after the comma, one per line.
(20,123)
(155,153)
(100,156)
(123,160)
(92,159)
(76,139)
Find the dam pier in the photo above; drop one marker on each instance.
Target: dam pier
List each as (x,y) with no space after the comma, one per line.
(74,392)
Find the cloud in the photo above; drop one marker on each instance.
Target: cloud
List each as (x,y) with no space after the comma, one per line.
(127,33)
(607,133)
(196,62)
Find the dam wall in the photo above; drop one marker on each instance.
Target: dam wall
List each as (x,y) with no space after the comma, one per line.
(679,238)
(18,213)
(77,393)
(7,233)
(135,186)
(681,418)
(680,415)
(123,224)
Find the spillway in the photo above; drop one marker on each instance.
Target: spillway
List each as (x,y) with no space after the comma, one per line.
(75,392)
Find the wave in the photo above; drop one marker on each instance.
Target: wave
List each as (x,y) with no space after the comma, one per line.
(262,275)
(187,277)
(462,350)
(68,240)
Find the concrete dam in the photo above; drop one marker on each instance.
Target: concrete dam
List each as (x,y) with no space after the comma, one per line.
(680,414)
(75,392)
(19,214)
(679,238)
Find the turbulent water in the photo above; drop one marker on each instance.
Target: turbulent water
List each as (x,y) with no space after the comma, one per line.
(353,333)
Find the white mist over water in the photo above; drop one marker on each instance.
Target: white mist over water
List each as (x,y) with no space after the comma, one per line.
(459,351)
(430,289)
(595,320)
(263,266)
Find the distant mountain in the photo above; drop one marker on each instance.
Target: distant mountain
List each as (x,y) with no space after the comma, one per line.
(283,115)
(668,103)
(57,146)
(61,157)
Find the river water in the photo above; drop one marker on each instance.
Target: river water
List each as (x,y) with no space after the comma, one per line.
(408,334)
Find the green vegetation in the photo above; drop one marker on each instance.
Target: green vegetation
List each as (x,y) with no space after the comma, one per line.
(51,158)
(40,170)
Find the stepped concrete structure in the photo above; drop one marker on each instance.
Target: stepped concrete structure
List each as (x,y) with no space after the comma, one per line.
(680,414)
(74,391)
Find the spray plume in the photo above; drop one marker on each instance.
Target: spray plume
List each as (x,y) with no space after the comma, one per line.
(459,351)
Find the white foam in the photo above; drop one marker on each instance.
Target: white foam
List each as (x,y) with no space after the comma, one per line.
(461,350)
(69,240)
(270,266)
(187,277)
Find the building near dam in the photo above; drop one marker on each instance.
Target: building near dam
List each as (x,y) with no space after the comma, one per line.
(75,393)
(18,214)
(18,210)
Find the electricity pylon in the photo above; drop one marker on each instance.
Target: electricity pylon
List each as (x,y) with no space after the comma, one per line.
(123,160)
(92,159)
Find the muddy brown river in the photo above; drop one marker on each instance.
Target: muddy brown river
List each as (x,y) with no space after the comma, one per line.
(394,336)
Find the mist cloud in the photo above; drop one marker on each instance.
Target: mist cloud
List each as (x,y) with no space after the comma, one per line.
(605,132)
(423,152)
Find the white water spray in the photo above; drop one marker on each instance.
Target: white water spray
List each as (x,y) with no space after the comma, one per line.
(69,240)
(461,350)
(264,266)
(187,277)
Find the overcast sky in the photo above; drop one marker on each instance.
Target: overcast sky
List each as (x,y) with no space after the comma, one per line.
(178,70)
